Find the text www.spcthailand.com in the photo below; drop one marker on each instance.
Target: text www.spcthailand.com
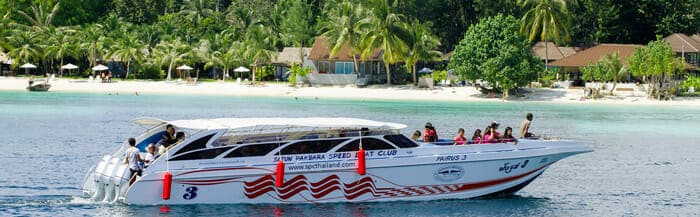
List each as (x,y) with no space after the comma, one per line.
(322,165)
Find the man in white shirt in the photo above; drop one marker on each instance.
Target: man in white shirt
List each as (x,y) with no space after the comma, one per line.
(132,159)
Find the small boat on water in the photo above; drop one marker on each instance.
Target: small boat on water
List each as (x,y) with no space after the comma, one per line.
(42,87)
(314,160)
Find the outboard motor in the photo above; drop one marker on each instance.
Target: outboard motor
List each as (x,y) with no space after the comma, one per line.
(120,181)
(99,190)
(105,179)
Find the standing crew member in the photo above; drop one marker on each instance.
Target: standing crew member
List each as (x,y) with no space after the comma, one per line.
(132,159)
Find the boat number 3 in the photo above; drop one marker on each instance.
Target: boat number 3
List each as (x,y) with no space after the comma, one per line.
(191,193)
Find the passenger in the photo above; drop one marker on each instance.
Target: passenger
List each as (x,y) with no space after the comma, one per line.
(508,136)
(132,159)
(487,135)
(525,128)
(492,135)
(416,135)
(460,139)
(180,136)
(476,138)
(150,155)
(168,137)
(429,134)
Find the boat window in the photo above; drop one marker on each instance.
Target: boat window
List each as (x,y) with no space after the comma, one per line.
(195,145)
(367,144)
(203,154)
(254,150)
(312,146)
(401,141)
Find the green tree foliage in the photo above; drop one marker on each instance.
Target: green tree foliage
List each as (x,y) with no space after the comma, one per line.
(656,63)
(494,51)
(296,25)
(603,16)
(342,27)
(545,20)
(609,68)
(138,11)
(386,30)
(421,47)
(490,8)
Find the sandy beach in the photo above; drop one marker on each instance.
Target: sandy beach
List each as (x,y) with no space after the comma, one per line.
(376,92)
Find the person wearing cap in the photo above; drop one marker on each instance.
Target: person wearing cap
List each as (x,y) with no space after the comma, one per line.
(429,134)
(150,155)
(492,136)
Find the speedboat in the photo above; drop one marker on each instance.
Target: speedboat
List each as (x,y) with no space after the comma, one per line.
(315,160)
(41,87)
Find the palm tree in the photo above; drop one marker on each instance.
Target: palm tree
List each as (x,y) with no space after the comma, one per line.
(62,45)
(170,53)
(342,28)
(23,47)
(128,49)
(385,30)
(39,19)
(259,46)
(92,42)
(421,48)
(545,19)
(197,10)
(208,53)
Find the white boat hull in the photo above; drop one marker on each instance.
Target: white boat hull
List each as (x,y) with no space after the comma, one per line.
(418,182)
(206,169)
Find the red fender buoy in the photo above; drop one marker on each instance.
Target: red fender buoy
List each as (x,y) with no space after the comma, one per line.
(279,180)
(361,161)
(167,182)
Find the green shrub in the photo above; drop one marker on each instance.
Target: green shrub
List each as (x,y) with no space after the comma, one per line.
(295,71)
(439,75)
(150,72)
(691,81)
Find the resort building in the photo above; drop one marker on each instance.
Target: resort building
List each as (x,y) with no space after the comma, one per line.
(687,47)
(288,57)
(549,52)
(340,69)
(5,63)
(572,64)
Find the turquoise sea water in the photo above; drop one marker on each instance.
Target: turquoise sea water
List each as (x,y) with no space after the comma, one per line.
(645,160)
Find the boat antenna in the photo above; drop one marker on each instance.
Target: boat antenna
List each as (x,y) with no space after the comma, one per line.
(360,139)
(167,160)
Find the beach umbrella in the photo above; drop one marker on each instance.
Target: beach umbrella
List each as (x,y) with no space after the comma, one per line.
(241,69)
(68,67)
(27,66)
(100,68)
(186,68)
(425,70)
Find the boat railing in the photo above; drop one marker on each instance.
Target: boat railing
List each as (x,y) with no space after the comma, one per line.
(87,175)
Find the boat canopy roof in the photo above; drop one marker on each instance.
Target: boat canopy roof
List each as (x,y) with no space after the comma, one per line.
(261,123)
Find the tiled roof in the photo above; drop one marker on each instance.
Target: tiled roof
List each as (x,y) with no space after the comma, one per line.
(682,43)
(552,51)
(290,55)
(321,51)
(592,55)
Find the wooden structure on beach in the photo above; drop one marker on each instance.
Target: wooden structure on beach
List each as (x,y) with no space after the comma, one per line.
(340,69)
(687,47)
(573,64)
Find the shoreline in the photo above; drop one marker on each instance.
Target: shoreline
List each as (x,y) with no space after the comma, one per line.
(375,92)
